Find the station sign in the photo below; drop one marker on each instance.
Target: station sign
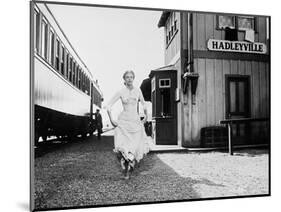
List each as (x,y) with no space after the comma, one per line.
(236,46)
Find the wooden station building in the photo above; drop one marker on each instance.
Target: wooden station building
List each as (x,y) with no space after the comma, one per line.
(217,67)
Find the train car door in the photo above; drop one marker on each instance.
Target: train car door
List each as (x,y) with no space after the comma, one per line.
(238,105)
(164,108)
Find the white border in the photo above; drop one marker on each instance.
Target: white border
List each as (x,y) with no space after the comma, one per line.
(14,87)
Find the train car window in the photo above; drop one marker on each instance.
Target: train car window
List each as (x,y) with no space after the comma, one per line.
(36,30)
(44,44)
(62,60)
(67,65)
(83,82)
(77,71)
(73,73)
(79,78)
(70,70)
(57,55)
(87,85)
(52,47)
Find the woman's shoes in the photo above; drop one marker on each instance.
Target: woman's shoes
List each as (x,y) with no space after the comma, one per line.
(123,163)
(131,165)
(127,163)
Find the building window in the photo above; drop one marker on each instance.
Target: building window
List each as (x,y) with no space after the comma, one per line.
(245,23)
(70,70)
(235,22)
(171,27)
(52,47)
(57,66)
(36,30)
(226,21)
(164,83)
(44,49)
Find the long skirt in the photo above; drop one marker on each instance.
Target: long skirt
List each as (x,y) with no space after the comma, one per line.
(130,137)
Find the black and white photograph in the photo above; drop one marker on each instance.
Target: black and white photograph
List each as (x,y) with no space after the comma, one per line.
(136,105)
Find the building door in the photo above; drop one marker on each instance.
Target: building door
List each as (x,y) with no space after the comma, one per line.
(164,108)
(238,105)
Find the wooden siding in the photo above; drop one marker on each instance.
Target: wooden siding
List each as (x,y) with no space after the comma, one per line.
(205,28)
(210,94)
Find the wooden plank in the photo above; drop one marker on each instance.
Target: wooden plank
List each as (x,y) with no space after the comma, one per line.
(267,80)
(195,130)
(201,32)
(233,66)
(262,96)
(261,29)
(194,26)
(209,27)
(219,103)
(201,94)
(256,89)
(210,95)
(243,120)
(217,33)
(248,71)
(230,55)
(226,70)
(241,67)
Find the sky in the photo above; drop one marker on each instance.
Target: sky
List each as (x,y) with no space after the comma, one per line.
(111,41)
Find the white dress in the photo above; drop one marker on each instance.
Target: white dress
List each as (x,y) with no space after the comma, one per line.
(129,135)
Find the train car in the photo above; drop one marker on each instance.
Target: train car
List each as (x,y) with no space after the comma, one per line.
(65,92)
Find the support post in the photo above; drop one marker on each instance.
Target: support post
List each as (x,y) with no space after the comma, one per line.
(230,150)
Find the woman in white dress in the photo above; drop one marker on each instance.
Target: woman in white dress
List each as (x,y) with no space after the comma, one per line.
(130,139)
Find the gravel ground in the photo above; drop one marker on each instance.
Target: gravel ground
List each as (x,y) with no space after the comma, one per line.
(88,173)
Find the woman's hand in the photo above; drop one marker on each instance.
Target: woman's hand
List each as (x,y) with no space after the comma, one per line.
(144,119)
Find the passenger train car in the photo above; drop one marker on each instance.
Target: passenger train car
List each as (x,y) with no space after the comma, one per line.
(65,92)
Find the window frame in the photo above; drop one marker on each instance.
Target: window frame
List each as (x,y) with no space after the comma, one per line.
(44,38)
(165,86)
(57,53)
(218,21)
(70,68)
(62,59)
(67,55)
(37,29)
(170,30)
(244,16)
(73,71)
(52,44)
(236,22)
(238,78)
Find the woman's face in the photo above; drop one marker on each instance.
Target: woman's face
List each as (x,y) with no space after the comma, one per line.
(129,79)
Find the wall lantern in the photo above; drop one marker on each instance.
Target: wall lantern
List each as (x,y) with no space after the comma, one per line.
(192,79)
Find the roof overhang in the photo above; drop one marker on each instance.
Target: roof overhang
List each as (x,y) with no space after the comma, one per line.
(163,18)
